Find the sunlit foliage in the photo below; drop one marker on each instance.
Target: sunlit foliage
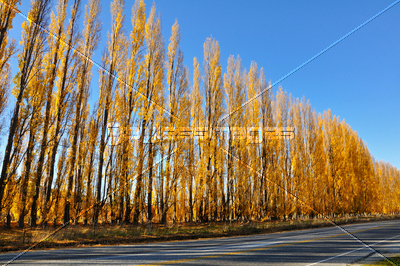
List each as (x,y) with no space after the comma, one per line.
(162,144)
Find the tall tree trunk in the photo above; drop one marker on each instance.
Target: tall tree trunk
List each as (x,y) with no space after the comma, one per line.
(150,186)
(25,178)
(64,81)
(139,172)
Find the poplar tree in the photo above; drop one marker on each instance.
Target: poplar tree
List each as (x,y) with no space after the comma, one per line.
(234,85)
(266,149)
(87,44)
(280,175)
(112,64)
(298,151)
(176,89)
(253,117)
(65,83)
(59,183)
(151,90)
(336,160)
(197,118)
(187,154)
(82,156)
(91,139)
(213,101)
(126,101)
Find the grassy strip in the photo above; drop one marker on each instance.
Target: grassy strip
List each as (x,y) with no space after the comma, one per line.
(78,235)
(396,260)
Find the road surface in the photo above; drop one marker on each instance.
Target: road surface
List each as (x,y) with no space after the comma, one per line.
(323,246)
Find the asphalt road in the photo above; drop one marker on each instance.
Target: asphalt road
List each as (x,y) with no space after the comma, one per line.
(324,246)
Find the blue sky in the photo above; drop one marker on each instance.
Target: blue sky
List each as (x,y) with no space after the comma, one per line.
(359,79)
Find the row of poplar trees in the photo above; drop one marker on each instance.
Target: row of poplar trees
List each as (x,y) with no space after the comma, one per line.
(70,155)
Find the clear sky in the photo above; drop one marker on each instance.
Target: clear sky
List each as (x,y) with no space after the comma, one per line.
(359,79)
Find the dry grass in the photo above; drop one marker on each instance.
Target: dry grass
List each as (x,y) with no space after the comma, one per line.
(395,260)
(79,235)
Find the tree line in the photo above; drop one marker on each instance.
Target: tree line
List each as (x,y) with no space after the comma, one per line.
(67,159)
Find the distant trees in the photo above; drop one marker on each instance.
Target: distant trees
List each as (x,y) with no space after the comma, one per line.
(159,145)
